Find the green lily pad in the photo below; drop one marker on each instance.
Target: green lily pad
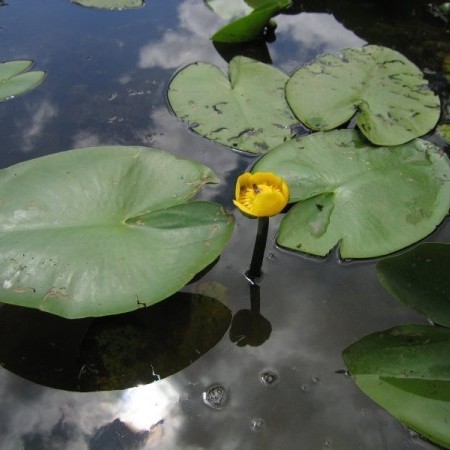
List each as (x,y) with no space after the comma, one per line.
(105,230)
(111,4)
(386,91)
(370,200)
(14,79)
(251,26)
(247,111)
(419,278)
(406,370)
(443,131)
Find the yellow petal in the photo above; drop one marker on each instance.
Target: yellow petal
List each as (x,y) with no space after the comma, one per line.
(269,204)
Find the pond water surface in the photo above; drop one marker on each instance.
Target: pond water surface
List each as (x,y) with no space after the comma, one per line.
(107,75)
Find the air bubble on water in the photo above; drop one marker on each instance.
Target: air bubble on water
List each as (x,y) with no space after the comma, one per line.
(257,423)
(304,388)
(271,256)
(413,434)
(315,380)
(269,377)
(327,444)
(216,396)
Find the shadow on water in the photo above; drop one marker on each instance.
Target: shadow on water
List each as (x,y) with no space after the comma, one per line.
(114,352)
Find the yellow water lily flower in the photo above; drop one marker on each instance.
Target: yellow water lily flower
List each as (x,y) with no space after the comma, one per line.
(261,194)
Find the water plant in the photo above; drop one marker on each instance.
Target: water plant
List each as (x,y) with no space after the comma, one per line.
(112,230)
(260,195)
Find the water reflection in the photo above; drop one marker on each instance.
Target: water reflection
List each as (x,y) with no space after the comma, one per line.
(248,326)
(114,352)
(183,46)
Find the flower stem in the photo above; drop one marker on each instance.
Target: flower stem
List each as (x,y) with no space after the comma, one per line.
(255,272)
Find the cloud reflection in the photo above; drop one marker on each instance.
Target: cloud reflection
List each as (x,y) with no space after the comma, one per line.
(41,115)
(183,46)
(314,33)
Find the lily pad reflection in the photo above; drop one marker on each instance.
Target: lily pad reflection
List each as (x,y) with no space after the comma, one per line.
(114,352)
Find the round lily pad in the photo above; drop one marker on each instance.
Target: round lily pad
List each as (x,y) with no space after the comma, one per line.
(387,92)
(105,230)
(369,200)
(247,111)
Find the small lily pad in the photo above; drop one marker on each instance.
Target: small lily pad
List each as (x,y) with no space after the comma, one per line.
(15,80)
(369,200)
(111,4)
(388,94)
(111,230)
(443,131)
(247,111)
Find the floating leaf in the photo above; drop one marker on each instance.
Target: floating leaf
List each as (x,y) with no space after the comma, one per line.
(111,4)
(406,370)
(14,79)
(114,352)
(247,112)
(420,279)
(251,26)
(443,131)
(370,200)
(104,230)
(385,90)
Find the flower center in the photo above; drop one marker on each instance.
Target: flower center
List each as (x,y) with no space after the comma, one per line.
(248,194)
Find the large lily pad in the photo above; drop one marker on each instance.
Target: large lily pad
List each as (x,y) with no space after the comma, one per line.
(247,111)
(15,80)
(386,91)
(420,279)
(370,200)
(105,230)
(111,4)
(251,26)
(406,370)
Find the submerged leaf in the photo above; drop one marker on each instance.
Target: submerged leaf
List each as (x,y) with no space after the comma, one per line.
(370,200)
(111,4)
(391,99)
(420,279)
(406,370)
(14,79)
(247,111)
(105,230)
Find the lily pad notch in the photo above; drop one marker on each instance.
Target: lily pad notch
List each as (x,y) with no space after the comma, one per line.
(112,230)
(245,109)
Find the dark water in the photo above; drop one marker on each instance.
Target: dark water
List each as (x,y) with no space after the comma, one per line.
(107,77)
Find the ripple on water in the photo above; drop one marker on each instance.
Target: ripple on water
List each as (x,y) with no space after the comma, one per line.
(269,377)
(216,396)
